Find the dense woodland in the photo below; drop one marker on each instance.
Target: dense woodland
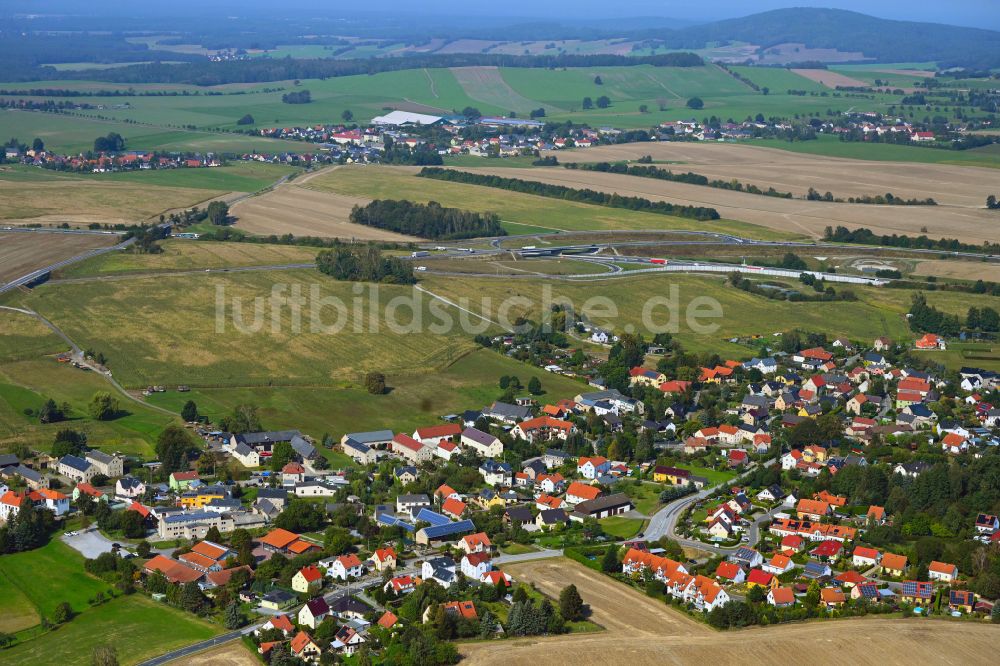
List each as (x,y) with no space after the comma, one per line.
(429,220)
(364,264)
(571,194)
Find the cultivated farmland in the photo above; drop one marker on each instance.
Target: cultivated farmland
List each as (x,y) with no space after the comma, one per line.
(796,172)
(972,225)
(485,84)
(22,252)
(643,631)
(830,79)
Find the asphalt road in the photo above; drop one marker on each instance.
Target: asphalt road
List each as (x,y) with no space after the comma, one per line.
(664,521)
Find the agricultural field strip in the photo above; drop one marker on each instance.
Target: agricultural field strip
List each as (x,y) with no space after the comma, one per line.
(797,172)
(809,217)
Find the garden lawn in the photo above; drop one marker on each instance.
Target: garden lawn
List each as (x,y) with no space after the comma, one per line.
(621,527)
(645,496)
(16,610)
(714,477)
(138,627)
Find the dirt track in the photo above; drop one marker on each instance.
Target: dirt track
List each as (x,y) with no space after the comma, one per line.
(641,631)
(797,216)
(293,209)
(796,172)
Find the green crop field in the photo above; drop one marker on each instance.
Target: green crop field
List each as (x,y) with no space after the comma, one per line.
(23,337)
(138,627)
(416,399)
(75,134)
(535,211)
(779,80)
(987,156)
(186,255)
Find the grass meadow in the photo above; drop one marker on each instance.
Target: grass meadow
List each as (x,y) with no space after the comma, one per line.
(987,156)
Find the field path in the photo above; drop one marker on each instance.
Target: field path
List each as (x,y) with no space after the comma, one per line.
(641,631)
(487,85)
(430,80)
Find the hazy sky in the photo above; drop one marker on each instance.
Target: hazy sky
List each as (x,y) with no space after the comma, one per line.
(976,13)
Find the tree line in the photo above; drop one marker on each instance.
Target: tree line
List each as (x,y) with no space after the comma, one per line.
(926,318)
(364,264)
(688,177)
(879,199)
(571,194)
(865,236)
(262,69)
(431,220)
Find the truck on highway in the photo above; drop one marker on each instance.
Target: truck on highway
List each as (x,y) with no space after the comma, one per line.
(421,253)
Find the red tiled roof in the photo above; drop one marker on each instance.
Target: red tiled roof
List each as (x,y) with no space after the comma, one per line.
(279,538)
(578,489)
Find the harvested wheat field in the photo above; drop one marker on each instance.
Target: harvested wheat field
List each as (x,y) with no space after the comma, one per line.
(786,171)
(291,208)
(234,653)
(642,631)
(830,79)
(22,252)
(789,215)
(962,270)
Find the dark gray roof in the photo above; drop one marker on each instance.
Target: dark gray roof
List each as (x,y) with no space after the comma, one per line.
(254,438)
(272,493)
(603,503)
(503,410)
(478,436)
(303,448)
(8,460)
(76,463)
(371,436)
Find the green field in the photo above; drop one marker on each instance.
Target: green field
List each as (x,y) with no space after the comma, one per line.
(51,575)
(514,207)
(186,255)
(27,384)
(621,527)
(987,156)
(138,627)
(69,134)
(715,477)
(23,337)
(415,400)
(646,496)
(876,312)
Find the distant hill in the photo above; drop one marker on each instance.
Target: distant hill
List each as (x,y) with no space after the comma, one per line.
(881,39)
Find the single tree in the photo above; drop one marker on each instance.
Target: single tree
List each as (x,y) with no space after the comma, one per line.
(603,102)
(190,411)
(245,120)
(535,386)
(38,145)
(610,561)
(103,406)
(695,103)
(233,618)
(63,613)
(588,103)
(375,383)
(570,604)
(347,115)
(598,81)
(143,549)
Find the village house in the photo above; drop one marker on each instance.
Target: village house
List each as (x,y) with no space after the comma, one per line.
(484,444)
(942,571)
(307,580)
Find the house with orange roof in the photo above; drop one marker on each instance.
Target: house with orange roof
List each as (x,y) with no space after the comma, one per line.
(865,557)
(831,499)
(495,577)
(401,584)
(931,341)
(407,447)
(778,564)
(781,597)
(832,597)
(308,579)
(581,492)
(591,467)
(675,386)
(545,502)
(279,622)
(942,571)
(637,561)
(716,375)
(384,558)
(792,543)
(464,609)
(646,377)
(221,578)
(344,567)
(453,508)
(475,543)
(893,565)
(305,648)
(433,435)
(474,565)
(730,571)
(388,620)
(172,570)
(693,445)
(90,491)
(954,443)
(543,428)
(876,514)
(283,541)
(761,578)
(808,509)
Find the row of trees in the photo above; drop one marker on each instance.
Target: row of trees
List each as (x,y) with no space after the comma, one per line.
(864,236)
(928,319)
(878,199)
(364,264)
(431,220)
(571,194)
(298,97)
(688,177)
